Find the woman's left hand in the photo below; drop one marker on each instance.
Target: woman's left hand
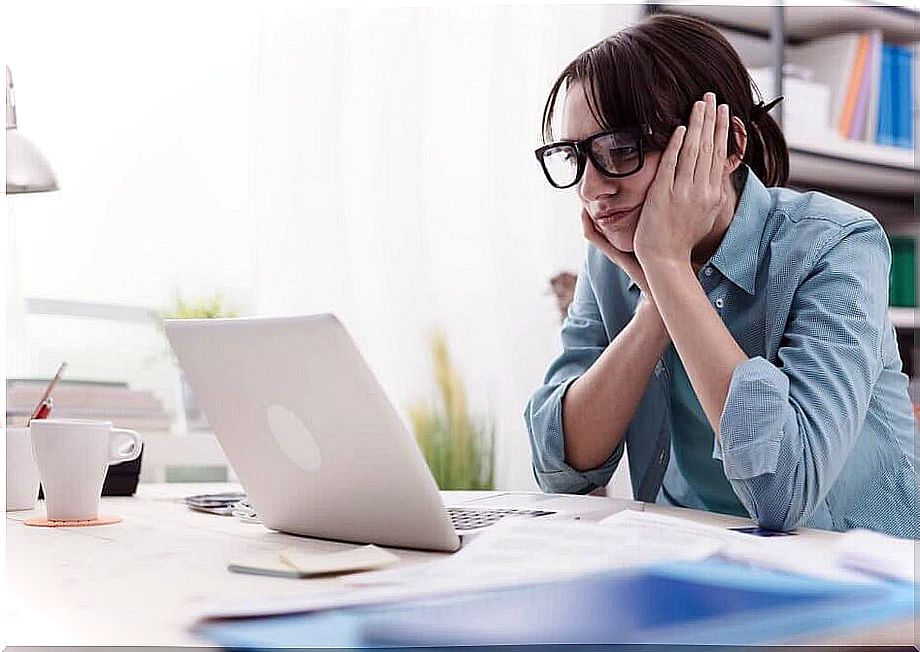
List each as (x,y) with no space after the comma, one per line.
(687,193)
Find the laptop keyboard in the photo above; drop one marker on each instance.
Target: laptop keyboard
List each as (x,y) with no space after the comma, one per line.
(465,518)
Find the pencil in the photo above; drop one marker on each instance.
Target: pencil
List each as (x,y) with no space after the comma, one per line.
(47,394)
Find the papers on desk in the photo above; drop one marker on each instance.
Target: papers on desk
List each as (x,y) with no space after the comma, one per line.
(686,603)
(877,555)
(533,550)
(528,551)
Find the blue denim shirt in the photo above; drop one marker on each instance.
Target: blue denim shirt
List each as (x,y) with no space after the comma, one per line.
(817,428)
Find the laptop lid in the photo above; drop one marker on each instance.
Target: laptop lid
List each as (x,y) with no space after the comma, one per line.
(309,431)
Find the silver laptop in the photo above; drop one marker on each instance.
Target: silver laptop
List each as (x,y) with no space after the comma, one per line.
(316,444)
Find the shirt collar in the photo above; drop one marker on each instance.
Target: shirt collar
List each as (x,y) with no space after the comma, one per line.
(738,255)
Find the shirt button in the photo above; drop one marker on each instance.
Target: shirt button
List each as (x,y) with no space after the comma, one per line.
(708,271)
(719,302)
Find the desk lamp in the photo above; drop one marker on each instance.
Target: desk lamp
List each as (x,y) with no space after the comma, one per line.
(26,169)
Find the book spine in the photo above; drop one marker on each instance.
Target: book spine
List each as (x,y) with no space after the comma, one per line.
(884,134)
(845,125)
(905,136)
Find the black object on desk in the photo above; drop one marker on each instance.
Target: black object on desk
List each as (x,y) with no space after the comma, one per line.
(120,479)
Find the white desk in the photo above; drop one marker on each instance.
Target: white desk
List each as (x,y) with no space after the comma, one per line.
(137,582)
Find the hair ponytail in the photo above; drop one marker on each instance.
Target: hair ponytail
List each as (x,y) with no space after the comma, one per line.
(767,154)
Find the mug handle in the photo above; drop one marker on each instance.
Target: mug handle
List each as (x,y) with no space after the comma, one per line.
(116,436)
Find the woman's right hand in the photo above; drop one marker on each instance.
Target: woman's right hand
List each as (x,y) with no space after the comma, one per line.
(624,260)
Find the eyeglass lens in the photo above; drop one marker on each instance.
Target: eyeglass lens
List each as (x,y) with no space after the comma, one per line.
(613,153)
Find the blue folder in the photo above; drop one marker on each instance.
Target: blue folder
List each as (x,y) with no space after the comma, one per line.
(702,603)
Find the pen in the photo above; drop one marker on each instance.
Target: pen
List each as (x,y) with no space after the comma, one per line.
(43,410)
(47,394)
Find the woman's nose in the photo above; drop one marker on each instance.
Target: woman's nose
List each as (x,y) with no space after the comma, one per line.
(595,185)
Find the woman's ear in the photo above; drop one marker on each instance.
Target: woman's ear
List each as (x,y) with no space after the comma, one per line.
(739,133)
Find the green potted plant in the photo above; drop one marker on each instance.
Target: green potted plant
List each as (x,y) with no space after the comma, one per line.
(458,447)
(212,307)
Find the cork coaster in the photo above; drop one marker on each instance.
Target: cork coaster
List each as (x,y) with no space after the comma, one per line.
(44,522)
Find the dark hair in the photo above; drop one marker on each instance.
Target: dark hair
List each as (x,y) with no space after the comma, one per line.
(653,71)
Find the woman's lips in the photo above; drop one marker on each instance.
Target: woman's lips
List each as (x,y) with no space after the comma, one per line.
(606,219)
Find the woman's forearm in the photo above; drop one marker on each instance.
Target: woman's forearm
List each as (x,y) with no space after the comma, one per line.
(706,347)
(598,407)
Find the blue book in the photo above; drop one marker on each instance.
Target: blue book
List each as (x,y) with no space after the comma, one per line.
(904,132)
(699,603)
(884,135)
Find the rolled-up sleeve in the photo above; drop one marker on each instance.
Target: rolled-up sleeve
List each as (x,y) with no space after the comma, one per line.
(787,428)
(584,339)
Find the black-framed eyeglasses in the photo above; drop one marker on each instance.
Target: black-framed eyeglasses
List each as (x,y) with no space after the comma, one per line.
(616,153)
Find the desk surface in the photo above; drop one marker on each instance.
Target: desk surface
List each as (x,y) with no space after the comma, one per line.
(138,582)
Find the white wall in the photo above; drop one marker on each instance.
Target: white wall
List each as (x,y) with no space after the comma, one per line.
(395,184)
(373,162)
(143,110)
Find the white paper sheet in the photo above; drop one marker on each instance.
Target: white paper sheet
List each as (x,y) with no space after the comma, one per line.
(803,555)
(532,550)
(511,552)
(877,555)
(523,551)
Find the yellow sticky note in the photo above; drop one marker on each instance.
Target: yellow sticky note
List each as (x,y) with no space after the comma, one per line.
(366,558)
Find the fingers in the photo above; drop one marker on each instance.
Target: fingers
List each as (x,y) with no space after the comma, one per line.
(720,153)
(702,170)
(686,162)
(591,234)
(668,162)
(597,238)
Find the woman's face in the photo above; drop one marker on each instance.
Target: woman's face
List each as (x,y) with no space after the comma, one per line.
(613,204)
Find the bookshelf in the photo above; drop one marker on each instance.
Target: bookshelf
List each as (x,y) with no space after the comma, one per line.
(905,318)
(882,179)
(826,162)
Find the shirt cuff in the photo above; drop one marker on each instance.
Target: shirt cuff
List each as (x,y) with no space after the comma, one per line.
(550,469)
(751,427)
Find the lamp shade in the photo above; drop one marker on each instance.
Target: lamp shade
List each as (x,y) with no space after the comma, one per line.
(27,170)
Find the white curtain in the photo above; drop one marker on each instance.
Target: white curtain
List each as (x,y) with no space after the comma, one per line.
(393,181)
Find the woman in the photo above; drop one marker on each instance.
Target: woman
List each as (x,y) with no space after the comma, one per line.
(733,334)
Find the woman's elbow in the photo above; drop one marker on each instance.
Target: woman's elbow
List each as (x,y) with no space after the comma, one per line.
(781,515)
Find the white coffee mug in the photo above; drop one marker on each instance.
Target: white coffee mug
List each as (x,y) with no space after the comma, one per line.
(21,471)
(73,456)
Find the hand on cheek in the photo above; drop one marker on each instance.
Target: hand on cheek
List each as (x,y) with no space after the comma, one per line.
(687,192)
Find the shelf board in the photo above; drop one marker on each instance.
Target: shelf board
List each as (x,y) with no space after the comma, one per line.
(803,22)
(851,165)
(906,318)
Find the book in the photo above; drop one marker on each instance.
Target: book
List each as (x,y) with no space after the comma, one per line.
(884,133)
(857,129)
(845,126)
(875,71)
(902,287)
(904,136)
(830,59)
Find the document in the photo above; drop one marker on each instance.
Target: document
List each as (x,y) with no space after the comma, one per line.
(517,552)
(533,550)
(860,562)
(877,555)
(511,552)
